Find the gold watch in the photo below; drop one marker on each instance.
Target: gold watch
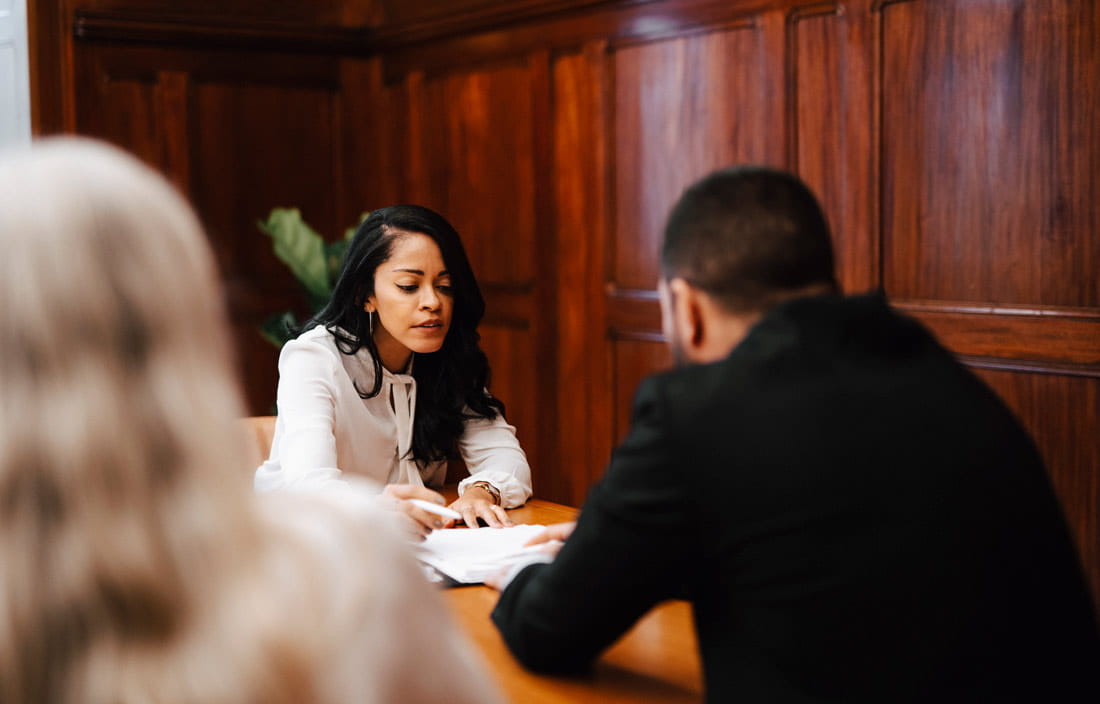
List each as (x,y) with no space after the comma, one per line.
(492,490)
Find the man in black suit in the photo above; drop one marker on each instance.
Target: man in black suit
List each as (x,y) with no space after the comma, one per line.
(854,516)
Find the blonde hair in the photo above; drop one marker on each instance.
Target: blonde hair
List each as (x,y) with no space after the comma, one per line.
(130,548)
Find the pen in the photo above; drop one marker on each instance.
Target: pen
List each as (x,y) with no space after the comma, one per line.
(436,509)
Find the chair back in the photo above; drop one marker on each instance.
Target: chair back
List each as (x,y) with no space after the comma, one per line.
(258,433)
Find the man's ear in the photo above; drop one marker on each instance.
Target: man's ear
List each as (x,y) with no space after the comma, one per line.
(686,309)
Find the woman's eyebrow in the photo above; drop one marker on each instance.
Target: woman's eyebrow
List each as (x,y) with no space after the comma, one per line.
(418,272)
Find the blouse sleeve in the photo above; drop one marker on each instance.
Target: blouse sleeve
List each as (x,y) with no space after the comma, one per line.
(307,403)
(492,454)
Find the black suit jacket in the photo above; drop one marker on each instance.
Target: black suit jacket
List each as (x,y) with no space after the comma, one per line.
(854,516)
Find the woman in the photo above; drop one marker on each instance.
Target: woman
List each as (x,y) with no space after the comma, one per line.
(137,565)
(388,382)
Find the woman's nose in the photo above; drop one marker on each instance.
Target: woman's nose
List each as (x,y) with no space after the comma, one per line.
(429,300)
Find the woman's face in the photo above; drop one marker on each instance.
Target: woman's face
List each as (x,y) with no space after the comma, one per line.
(413,300)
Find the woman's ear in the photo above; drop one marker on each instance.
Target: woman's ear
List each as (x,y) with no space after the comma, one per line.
(368,306)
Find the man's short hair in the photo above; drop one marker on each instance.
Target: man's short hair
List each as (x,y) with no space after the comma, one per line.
(749,237)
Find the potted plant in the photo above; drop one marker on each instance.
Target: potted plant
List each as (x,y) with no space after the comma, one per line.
(313,261)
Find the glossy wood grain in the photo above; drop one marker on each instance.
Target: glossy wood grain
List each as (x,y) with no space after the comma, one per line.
(990,152)
(511,350)
(1063,415)
(680,112)
(634,360)
(579,260)
(831,138)
(953,143)
(316,12)
(225,31)
(477,155)
(656,661)
(239,133)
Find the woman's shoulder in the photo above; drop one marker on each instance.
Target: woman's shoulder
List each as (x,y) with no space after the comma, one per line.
(317,336)
(314,344)
(317,351)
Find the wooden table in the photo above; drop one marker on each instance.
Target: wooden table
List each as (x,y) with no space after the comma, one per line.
(657,661)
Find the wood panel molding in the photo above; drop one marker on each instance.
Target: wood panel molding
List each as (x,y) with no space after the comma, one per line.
(170,30)
(1029,367)
(646,34)
(1036,339)
(634,314)
(1047,312)
(620,23)
(880,5)
(803,12)
(1048,341)
(483,18)
(1069,343)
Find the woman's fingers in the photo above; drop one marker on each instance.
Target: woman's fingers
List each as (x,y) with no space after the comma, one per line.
(419,521)
(408,491)
(501,515)
(472,507)
(430,521)
(486,513)
(469,515)
(416,530)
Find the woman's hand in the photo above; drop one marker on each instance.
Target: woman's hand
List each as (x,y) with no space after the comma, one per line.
(477,503)
(417,521)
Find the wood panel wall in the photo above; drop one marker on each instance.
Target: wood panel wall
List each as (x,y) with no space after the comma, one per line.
(954,144)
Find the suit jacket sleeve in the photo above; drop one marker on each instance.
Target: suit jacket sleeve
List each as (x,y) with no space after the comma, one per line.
(633,540)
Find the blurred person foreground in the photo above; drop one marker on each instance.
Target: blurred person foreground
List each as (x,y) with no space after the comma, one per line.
(137,564)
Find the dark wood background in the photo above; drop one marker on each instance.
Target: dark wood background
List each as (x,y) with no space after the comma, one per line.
(955,145)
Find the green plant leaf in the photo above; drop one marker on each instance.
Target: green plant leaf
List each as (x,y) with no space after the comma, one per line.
(301,249)
(334,259)
(279,328)
(314,262)
(350,232)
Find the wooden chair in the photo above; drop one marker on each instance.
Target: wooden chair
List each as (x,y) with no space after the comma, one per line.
(258,432)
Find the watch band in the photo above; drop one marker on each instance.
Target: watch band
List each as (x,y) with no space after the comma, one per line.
(492,490)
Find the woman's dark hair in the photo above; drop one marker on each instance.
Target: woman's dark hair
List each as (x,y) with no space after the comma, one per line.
(447,381)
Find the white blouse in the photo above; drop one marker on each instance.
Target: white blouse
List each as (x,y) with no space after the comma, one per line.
(325,428)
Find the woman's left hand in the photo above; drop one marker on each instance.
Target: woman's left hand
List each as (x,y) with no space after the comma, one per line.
(477,503)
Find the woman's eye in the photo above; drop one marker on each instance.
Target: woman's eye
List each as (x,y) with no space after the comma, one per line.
(445,288)
(408,288)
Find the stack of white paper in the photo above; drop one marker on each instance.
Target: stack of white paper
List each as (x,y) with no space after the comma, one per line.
(469,556)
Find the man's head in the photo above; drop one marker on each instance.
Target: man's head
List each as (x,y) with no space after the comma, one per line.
(738,242)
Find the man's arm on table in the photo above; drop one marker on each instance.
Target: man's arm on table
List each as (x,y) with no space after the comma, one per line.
(630,550)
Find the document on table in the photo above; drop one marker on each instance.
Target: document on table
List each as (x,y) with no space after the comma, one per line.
(469,556)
